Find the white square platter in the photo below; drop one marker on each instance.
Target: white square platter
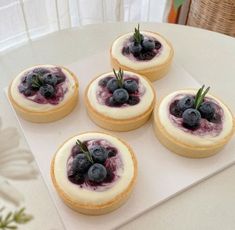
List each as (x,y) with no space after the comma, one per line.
(162,174)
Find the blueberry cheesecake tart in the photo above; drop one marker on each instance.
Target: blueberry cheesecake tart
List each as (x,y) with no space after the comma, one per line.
(193,123)
(44,93)
(94,173)
(120,101)
(146,53)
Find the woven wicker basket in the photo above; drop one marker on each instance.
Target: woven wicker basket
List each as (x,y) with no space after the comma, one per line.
(216,15)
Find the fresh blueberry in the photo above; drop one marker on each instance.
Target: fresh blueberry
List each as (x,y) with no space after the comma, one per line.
(41,71)
(76,150)
(185,103)
(125,50)
(47,91)
(103,82)
(191,118)
(60,78)
(30,79)
(50,79)
(158,45)
(148,44)
(145,56)
(29,92)
(111,102)
(207,110)
(80,164)
(97,173)
(24,80)
(130,85)
(111,151)
(135,48)
(77,178)
(174,110)
(99,154)
(112,85)
(133,100)
(22,88)
(120,96)
(216,118)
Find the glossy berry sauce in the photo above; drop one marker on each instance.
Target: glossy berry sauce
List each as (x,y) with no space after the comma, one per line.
(34,94)
(103,94)
(113,165)
(143,55)
(212,127)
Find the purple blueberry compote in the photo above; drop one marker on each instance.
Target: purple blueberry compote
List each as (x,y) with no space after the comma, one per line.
(43,85)
(204,120)
(94,164)
(120,91)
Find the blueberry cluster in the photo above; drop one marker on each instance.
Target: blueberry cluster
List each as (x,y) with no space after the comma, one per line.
(142,47)
(41,80)
(122,91)
(146,50)
(89,166)
(121,95)
(191,117)
(192,109)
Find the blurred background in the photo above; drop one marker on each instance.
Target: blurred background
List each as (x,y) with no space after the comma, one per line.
(23,20)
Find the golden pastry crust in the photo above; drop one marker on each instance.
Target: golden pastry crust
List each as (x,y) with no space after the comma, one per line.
(118,124)
(153,73)
(183,148)
(95,209)
(51,115)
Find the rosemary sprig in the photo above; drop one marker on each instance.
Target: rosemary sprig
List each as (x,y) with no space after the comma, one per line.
(37,81)
(137,35)
(85,150)
(119,77)
(11,220)
(200,96)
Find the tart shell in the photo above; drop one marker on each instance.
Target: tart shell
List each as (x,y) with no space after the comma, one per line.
(183,148)
(153,73)
(109,123)
(51,115)
(95,209)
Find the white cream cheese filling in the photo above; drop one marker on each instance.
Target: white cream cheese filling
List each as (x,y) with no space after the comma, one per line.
(187,137)
(122,112)
(116,52)
(88,196)
(21,100)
